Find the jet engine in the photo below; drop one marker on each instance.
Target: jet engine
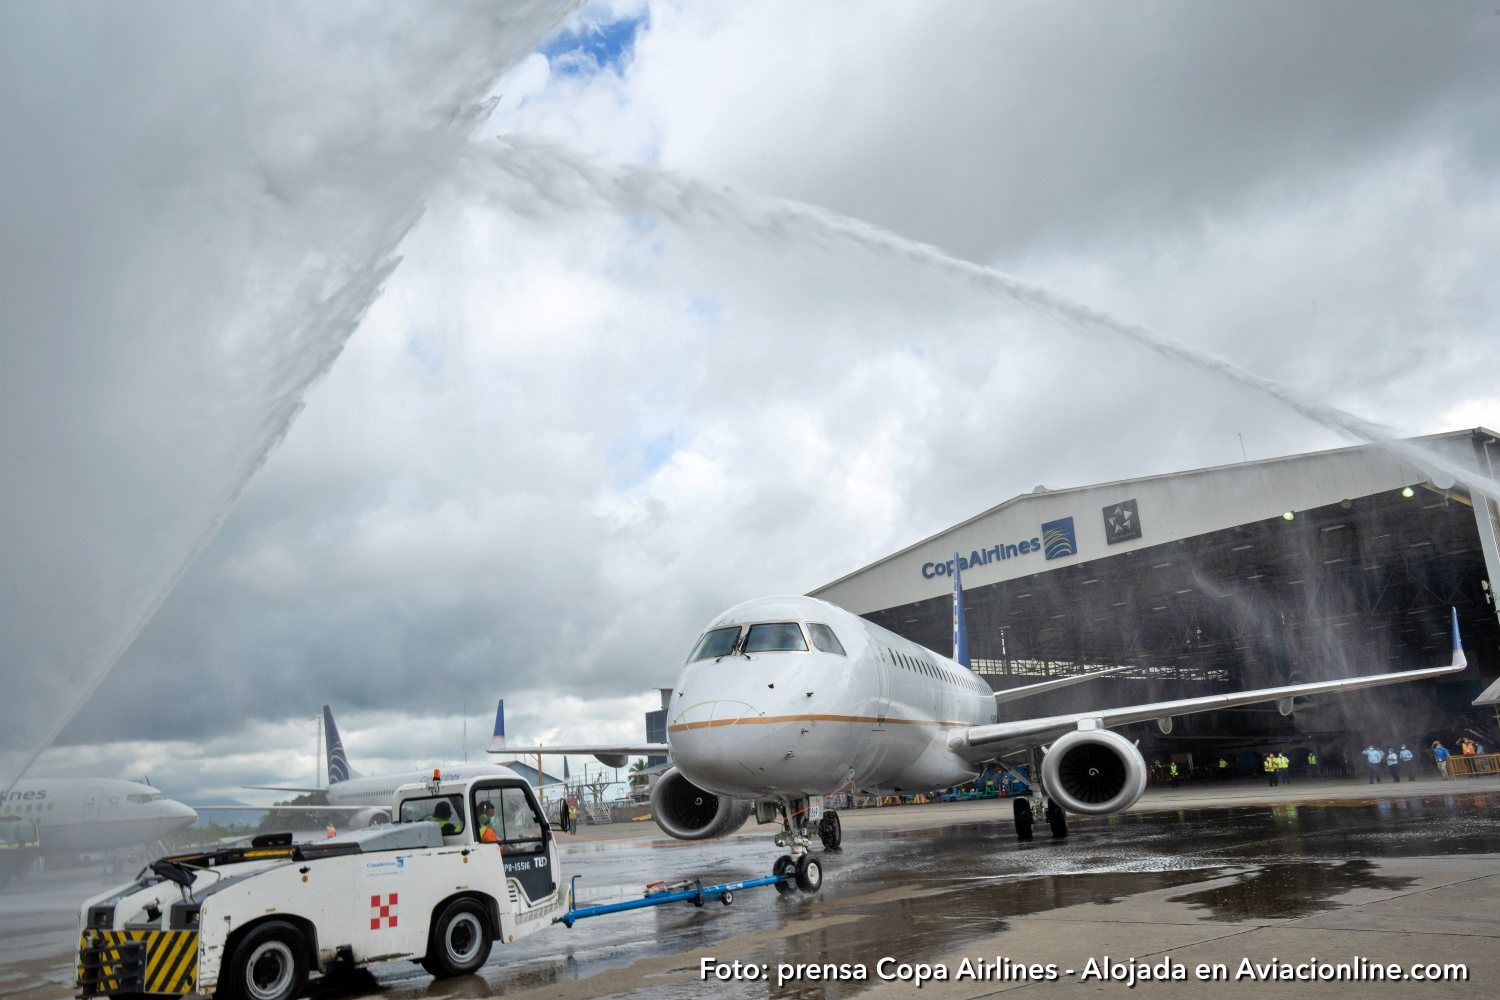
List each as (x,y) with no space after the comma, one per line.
(1094,771)
(687,812)
(373,816)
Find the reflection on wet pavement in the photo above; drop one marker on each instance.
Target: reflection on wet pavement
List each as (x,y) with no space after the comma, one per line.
(913,894)
(1293,889)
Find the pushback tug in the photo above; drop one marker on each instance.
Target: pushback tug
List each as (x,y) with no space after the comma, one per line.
(252,923)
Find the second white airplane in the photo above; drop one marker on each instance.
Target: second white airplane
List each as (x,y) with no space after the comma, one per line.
(785,698)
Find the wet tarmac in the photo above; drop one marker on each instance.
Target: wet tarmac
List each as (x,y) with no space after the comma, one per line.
(917,892)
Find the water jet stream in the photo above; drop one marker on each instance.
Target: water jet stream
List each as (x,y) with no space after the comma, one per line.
(537,170)
(415,163)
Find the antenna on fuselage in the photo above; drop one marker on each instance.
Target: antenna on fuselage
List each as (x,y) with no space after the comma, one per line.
(960,627)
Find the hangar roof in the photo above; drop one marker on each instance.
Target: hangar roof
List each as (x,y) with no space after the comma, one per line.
(1048,530)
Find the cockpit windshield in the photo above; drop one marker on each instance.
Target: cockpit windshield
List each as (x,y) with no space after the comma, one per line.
(774,636)
(715,643)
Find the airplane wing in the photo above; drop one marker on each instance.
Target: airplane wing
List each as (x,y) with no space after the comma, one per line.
(1002,735)
(1042,687)
(587,749)
(339,810)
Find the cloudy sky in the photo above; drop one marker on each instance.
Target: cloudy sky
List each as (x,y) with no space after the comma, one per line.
(405,363)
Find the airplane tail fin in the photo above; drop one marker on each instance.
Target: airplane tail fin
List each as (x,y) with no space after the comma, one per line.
(338,763)
(499,736)
(960,627)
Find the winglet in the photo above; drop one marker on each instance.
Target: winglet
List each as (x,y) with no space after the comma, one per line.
(1457,645)
(498,738)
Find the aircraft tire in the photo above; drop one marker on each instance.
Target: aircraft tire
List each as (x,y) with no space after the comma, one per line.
(1057,819)
(785,866)
(1022,810)
(809,873)
(831,831)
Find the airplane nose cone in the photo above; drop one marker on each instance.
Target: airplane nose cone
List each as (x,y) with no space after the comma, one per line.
(185,815)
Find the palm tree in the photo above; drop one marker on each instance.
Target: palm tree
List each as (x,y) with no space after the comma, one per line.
(638,779)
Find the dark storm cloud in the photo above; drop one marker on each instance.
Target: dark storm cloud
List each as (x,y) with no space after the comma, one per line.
(559,443)
(1016,127)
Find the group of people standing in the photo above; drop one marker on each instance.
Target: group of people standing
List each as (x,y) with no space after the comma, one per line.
(1466,748)
(1394,761)
(1278,768)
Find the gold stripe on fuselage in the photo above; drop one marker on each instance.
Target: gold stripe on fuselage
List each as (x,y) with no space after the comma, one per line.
(767,720)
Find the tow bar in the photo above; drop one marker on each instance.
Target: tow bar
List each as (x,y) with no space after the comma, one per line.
(660,893)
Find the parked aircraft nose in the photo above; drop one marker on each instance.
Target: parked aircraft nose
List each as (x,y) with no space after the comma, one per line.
(181,815)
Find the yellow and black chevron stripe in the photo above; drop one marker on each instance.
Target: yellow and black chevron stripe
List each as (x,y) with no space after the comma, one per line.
(137,962)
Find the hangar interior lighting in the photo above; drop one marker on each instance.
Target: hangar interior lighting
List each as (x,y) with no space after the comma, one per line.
(1408,492)
(1288,516)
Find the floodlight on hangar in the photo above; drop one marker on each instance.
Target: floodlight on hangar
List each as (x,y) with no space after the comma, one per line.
(1288,516)
(1408,492)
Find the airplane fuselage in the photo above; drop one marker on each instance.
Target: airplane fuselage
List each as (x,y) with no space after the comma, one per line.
(82,815)
(377,791)
(773,722)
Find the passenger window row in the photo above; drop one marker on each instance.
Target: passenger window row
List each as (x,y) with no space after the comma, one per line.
(922,665)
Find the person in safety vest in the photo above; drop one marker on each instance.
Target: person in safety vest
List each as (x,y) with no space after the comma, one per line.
(1223,768)
(1283,767)
(487,832)
(1269,764)
(442,815)
(1312,763)
(1173,766)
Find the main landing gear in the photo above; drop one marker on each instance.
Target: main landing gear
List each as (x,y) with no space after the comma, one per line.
(831,830)
(1024,812)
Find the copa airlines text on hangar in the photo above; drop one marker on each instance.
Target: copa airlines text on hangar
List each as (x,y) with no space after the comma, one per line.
(1060,542)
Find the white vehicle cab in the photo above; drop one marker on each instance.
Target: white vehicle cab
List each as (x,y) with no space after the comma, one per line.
(464,864)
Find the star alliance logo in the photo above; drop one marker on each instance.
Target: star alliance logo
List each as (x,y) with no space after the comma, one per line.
(1122,522)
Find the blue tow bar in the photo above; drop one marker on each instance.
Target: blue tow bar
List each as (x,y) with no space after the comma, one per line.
(697,895)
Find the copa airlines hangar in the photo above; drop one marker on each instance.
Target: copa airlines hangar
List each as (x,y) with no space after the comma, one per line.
(1257,574)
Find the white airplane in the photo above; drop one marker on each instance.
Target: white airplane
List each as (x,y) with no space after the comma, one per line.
(75,816)
(785,698)
(366,800)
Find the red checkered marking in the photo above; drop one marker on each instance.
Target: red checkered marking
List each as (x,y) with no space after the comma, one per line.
(385,911)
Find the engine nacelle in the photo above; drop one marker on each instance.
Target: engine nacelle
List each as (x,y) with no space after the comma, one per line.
(687,812)
(373,816)
(1094,771)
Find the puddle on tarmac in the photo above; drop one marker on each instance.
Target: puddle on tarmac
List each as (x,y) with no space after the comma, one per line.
(1289,889)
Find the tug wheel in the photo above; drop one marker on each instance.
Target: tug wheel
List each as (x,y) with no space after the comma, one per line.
(1057,819)
(786,869)
(269,963)
(809,873)
(460,940)
(1022,810)
(728,898)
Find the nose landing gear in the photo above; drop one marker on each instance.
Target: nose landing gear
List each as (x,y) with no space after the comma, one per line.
(800,869)
(805,872)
